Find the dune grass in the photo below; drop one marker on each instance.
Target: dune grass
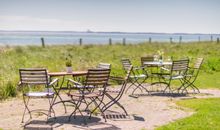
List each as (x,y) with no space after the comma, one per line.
(86,56)
(206,116)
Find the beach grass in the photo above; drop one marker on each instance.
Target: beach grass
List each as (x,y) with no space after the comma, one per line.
(86,56)
(206,116)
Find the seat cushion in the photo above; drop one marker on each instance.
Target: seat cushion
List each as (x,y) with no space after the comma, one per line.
(139,76)
(39,94)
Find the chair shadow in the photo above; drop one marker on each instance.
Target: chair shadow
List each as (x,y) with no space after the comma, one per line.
(162,94)
(78,122)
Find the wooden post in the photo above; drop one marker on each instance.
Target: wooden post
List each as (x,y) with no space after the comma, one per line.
(110,41)
(218,40)
(80,41)
(171,40)
(211,38)
(199,38)
(124,41)
(149,39)
(180,40)
(42,42)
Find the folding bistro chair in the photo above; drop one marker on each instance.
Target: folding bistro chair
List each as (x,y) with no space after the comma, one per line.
(178,71)
(34,79)
(116,94)
(92,91)
(149,67)
(192,75)
(136,78)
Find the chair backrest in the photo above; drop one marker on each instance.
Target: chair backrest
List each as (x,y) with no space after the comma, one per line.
(97,77)
(126,63)
(146,59)
(104,65)
(180,66)
(33,76)
(198,63)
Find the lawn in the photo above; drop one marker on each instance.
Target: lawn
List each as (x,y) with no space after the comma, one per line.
(206,116)
(86,56)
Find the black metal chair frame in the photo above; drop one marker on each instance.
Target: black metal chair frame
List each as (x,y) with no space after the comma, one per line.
(30,77)
(93,89)
(136,78)
(114,100)
(178,71)
(192,75)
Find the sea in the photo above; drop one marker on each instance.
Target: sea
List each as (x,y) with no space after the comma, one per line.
(11,38)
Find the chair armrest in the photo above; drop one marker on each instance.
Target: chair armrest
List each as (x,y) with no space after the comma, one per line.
(19,85)
(74,82)
(54,81)
(116,78)
(163,68)
(138,67)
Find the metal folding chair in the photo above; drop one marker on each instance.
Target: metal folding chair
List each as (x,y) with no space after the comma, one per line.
(32,79)
(115,94)
(138,76)
(178,71)
(149,68)
(192,75)
(92,91)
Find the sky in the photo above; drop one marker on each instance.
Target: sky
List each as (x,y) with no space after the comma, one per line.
(164,16)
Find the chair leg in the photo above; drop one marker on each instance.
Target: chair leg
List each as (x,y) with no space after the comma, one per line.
(57,95)
(26,108)
(112,102)
(51,110)
(98,106)
(130,80)
(76,108)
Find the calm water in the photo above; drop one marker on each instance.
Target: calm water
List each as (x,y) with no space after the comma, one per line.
(34,38)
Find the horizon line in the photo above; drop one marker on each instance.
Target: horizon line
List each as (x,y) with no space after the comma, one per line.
(89,31)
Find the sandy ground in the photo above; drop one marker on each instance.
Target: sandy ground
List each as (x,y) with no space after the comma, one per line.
(145,112)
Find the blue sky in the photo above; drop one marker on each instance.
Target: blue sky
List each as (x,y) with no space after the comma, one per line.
(171,16)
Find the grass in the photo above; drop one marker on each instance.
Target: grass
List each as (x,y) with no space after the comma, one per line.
(206,115)
(86,56)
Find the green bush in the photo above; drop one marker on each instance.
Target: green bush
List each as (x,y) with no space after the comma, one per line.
(8,91)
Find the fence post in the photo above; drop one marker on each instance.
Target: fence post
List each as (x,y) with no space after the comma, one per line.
(218,40)
(171,40)
(110,41)
(42,42)
(124,41)
(199,38)
(180,40)
(149,39)
(80,41)
(211,38)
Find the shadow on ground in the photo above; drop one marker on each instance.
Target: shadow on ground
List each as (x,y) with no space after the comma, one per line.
(78,123)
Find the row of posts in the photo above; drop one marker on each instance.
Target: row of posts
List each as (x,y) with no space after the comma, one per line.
(124,40)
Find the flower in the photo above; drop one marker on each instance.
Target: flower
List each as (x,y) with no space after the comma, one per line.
(160,53)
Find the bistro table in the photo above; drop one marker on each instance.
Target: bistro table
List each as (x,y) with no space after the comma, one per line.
(159,64)
(61,87)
